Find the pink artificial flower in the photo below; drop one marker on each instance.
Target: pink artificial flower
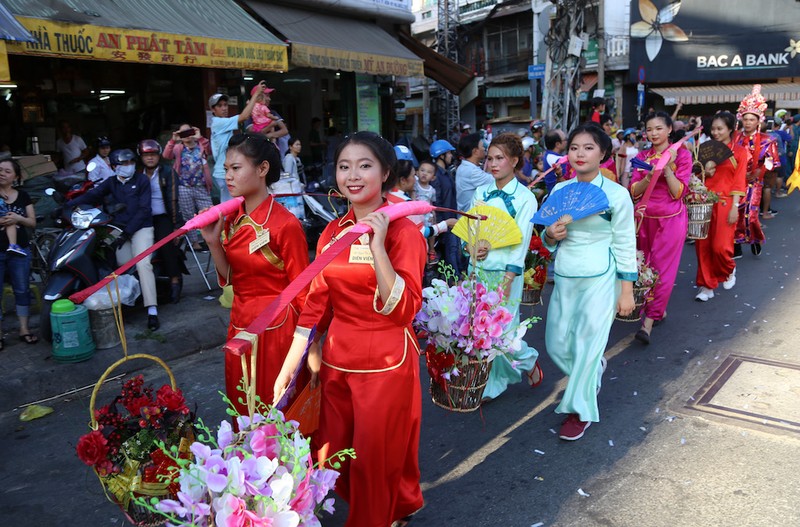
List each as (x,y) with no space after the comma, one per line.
(264,441)
(303,501)
(251,519)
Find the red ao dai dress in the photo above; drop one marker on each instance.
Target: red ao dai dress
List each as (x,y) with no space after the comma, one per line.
(259,271)
(371,399)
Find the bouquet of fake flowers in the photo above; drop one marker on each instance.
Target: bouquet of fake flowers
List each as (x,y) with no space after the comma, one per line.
(262,475)
(124,448)
(536,262)
(699,193)
(647,275)
(465,321)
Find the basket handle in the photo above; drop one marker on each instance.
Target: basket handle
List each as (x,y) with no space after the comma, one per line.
(93,422)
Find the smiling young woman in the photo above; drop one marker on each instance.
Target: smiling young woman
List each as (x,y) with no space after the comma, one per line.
(365,300)
(259,250)
(662,232)
(715,262)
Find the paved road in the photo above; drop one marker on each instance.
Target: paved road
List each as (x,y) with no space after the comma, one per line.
(650,461)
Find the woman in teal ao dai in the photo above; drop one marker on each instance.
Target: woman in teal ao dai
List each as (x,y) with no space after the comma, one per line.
(506,265)
(594,274)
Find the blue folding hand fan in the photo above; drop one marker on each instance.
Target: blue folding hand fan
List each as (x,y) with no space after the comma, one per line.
(571,203)
(641,164)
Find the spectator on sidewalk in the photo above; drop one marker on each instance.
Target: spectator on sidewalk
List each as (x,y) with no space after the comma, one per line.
(469,174)
(193,174)
(131,190)
(442,155)
(555,143)
(315,142)
(222,128)
(166,213)
(72,148)
(20,215)
(101,170)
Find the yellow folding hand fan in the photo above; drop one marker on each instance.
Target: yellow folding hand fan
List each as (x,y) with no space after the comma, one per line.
(498,229)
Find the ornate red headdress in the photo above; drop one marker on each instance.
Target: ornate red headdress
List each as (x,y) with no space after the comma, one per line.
(754,103)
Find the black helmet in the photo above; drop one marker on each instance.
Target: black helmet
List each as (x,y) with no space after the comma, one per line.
(117,157)
(148,146)
(102,141)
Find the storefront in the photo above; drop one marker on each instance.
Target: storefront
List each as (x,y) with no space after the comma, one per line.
(707,55)
(342,69)
(128,72)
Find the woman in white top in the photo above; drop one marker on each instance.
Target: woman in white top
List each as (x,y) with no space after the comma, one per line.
(291,161)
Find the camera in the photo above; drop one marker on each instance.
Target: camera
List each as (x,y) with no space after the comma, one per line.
(183,134)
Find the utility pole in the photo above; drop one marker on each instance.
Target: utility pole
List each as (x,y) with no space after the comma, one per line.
(564,46)
(601,45)
(447,45)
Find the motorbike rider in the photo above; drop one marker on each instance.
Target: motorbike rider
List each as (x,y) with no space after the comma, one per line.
(166,214)
(131,189)
(101,169)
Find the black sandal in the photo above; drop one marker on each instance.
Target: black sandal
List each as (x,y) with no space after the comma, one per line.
(29,338)
(402,522)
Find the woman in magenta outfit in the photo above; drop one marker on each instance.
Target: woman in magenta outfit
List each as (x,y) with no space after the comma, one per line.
(662,232)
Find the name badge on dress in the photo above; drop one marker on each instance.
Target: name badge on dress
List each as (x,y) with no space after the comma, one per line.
(261,240)
(361,254)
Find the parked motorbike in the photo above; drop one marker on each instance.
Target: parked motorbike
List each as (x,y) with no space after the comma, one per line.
(81,255)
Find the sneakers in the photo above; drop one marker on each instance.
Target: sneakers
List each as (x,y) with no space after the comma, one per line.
(16,249)
(737,251)
(755,249)
(705,294)
(731,281)
(573,428)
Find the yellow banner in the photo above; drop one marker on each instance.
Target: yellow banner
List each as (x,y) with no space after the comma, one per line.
(5,73)
(337,59)
(57,39)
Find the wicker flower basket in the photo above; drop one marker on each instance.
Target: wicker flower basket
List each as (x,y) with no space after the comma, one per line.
(699,220)
(120,487)
(639,297)
(464,392)
(531,296)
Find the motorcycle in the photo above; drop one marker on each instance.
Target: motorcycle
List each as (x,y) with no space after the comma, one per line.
(81,255)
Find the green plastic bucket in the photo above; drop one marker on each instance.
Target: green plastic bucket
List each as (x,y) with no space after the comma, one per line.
(72,334)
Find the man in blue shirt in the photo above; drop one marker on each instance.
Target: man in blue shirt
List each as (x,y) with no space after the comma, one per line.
(555,142)
(222,128)
(469,174)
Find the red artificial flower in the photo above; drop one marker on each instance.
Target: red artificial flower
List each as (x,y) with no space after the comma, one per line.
(544,253)
(536,243)
(92,448)
(171,399)
(439,364)
(135,404)
(540,274)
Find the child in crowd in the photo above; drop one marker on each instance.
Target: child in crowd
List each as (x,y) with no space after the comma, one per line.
(263,118)
(11,230)
(424,191)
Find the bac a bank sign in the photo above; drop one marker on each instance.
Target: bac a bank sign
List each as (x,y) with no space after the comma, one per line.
(705,40)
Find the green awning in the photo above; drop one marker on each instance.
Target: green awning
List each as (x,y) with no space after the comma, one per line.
(521,90)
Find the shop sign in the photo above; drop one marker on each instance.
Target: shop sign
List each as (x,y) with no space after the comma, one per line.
(714,40)
(337,59)
(368,104)
(58,39)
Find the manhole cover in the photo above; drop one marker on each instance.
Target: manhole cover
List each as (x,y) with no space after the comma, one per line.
(760,391)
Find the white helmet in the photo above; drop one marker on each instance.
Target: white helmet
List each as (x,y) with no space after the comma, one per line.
(528,142)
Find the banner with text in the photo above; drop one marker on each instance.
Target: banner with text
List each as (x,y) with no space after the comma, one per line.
(337,59)
(57,39)
(714,40)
